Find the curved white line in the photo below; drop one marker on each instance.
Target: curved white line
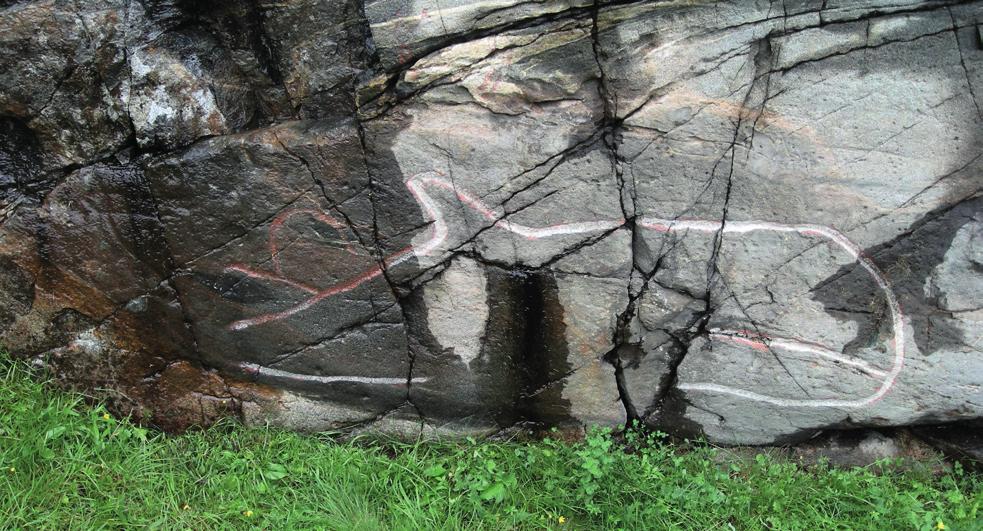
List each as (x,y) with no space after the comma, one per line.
(854,251)
(260,370)
(440,231)
(793,345)
(496,216)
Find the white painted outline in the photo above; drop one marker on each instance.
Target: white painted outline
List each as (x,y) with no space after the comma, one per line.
(855,252)
(261,371)
(439,231)
(764,343)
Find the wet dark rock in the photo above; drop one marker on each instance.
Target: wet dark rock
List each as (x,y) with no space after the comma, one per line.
(751,222)
(963,440)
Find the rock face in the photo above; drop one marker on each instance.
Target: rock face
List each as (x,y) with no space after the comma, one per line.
(749,221)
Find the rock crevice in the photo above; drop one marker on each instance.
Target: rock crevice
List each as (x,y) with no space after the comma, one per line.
(749,222)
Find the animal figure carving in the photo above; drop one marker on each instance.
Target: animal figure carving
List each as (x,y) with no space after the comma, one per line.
(421,187)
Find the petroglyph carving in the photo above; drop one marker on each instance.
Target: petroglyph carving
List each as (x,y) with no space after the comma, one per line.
(420,187)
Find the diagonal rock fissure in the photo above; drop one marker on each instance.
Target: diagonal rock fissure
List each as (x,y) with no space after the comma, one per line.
(394,73)
(372,63)
(173,269)
(341,332)
(610,134)
(757,329)
(756,149)
(245,232)
(763,58)
(962,62)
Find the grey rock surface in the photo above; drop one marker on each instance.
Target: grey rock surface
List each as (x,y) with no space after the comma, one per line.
(747,221)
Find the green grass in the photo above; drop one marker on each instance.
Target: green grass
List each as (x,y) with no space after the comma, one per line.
(70,465)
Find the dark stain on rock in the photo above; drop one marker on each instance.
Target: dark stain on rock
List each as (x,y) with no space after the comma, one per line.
(523,361)
(519,375)
(497,370)
(670,416)
(99,240)
(64,326)
(907,261)
(542,362)
(16,292)
(20,160)
(449,392)
(961,440)
(154,324)
(170,395)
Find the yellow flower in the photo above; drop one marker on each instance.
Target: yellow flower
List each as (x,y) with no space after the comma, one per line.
(185,507)
(562,520)
(939,525)
(105,416)
(247,514)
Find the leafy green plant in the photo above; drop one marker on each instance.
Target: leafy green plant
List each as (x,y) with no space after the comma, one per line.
(65,464)
(597,457)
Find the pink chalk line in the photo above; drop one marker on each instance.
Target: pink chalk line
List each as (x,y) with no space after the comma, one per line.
(764,343)
(856,253)
(439,232)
